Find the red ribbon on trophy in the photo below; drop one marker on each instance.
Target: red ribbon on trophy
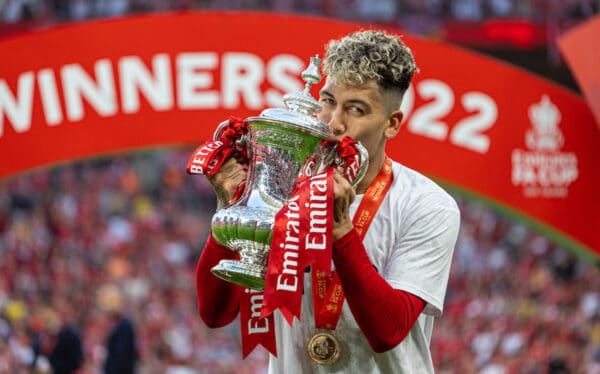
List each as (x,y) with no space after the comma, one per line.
(348,155)
(303,239)
(293,234)
(256,330)
(208,158)
(302,236)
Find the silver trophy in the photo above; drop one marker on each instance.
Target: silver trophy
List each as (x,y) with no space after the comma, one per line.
(281,143)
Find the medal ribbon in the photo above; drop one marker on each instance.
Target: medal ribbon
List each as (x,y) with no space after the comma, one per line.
(328,294)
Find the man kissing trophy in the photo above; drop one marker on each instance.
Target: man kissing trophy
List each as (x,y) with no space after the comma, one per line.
(285,149)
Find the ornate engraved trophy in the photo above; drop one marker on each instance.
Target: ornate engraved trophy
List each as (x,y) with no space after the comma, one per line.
(281,143)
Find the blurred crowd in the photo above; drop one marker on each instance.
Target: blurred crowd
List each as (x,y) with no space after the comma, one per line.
(516,302)
(81,241)
(47,12)
(134,223)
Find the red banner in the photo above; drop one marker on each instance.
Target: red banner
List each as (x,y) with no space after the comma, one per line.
(486,128)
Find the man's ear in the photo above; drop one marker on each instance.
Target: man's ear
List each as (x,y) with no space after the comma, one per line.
(395,121)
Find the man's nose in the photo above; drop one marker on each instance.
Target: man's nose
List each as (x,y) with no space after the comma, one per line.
(337,125)
(335,122)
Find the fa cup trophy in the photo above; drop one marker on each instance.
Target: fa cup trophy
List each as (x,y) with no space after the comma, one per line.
(281,143)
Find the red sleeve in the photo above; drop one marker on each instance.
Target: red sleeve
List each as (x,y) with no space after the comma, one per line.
(385,315)
(218,300)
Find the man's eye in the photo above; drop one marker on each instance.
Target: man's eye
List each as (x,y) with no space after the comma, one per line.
(357,110)
(326,100)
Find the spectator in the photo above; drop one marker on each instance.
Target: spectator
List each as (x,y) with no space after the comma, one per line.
(21,10)
(467,10)
(67,355)
(500,8)
(121,345)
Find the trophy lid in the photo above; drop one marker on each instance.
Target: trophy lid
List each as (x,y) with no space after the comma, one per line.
(301,107)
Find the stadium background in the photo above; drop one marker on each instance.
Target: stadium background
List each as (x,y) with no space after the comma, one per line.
(517,302)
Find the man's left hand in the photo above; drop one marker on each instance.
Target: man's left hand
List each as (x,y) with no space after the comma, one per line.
(343,197)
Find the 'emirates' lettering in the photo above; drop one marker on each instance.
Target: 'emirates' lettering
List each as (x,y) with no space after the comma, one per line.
(288,279)
(257,325)
(317,207)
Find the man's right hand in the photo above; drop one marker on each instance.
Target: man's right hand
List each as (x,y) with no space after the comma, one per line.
(226,181)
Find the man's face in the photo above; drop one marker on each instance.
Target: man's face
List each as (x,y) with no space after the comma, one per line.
(358,112)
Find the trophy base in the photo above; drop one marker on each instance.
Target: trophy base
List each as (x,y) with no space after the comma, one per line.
(240,274)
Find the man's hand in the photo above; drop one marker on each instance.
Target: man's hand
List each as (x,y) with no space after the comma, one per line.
(343,197)
(226,181)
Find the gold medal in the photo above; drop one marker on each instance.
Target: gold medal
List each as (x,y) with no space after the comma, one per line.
(324,347)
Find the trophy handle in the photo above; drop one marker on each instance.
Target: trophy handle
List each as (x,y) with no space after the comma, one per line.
(220,130)
(327,156)
(240,144)
(357,175)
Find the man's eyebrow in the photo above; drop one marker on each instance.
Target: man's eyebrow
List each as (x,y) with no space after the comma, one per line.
(361,102)
(358,101)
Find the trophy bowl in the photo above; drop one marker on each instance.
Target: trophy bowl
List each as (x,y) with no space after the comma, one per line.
(281,144)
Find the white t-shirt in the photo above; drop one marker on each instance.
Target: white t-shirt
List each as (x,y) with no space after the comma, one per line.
(410,242)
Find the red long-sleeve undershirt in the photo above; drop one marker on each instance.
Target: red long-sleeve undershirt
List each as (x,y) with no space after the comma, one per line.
(218,300)
(385,315)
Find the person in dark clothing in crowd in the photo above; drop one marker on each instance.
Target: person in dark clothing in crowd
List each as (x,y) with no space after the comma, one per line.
(121,344)
(67,355)
(57,343)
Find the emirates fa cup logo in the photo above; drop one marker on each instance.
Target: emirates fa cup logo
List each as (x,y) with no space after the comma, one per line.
(545,134)
(544,170)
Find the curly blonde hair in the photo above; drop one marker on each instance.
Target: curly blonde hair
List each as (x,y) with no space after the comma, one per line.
(370,55)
